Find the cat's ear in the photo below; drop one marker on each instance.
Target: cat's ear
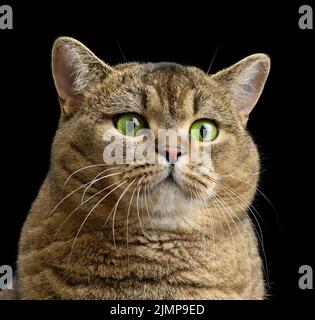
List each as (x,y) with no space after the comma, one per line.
(74,68)
(245,81)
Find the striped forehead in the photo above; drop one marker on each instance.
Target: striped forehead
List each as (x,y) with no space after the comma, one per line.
(169,93)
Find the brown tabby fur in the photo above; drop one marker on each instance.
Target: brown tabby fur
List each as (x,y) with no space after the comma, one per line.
(189,248)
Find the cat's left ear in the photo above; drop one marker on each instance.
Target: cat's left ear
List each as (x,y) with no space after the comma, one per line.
(75,68)
(245,81)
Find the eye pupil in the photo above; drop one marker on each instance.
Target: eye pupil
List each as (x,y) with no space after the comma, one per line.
(131,125)
(204,131)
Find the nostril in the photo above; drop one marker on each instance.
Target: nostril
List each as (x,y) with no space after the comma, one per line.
(172,155)
(167,156)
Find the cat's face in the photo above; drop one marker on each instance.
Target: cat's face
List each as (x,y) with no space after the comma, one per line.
(203,155)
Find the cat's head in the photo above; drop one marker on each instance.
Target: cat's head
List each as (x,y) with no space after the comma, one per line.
(190,108)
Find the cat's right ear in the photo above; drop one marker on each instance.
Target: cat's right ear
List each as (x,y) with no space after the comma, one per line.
(245,81)
(74,68)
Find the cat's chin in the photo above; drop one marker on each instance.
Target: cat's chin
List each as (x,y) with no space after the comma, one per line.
(170,185)
(169,197)
(170,182)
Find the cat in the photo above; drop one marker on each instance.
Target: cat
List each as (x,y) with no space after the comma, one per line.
(146,230)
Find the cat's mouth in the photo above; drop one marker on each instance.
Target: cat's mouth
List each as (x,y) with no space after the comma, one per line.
(170,180)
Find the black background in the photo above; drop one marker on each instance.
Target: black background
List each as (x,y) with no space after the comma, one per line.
(281,123)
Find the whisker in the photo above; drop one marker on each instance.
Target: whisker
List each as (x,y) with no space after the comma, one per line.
(249,207)
(150,196)
(68,195)
(216,203)
(121,51)
(96,180)
(116,206)
(72,192)
(84,168)
(146,206)
(211,223)
(212,60)
(262,194)
(138,212)
(259,234)
(88,215)
(128,212)
(78,207)
(227,209)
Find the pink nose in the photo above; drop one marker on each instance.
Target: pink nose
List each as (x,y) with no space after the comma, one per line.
(171,153)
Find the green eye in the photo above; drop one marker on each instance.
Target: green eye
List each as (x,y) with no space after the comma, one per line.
(204,130)
(130,124)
